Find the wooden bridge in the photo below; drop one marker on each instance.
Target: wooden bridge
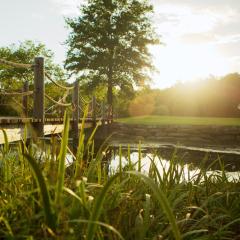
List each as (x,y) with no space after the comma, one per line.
(42,122)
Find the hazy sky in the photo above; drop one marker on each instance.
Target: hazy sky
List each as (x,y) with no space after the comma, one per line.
(201,37)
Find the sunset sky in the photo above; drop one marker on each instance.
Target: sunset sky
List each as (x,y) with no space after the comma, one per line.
(201,37)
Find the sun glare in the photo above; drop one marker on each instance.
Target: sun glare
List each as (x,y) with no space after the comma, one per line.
(192,49)
(182,62)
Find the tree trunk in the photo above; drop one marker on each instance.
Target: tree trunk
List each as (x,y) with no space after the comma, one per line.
(110,92)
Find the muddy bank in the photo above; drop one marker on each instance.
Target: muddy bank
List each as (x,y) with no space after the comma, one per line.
(188,135)
(193,143)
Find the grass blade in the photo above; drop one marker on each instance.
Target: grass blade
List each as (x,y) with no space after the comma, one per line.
(61,158)
(6,143)
(49,216)
(97,208)
(107,226)
(163,201)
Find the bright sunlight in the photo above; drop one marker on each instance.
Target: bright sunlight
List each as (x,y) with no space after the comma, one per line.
(178,62)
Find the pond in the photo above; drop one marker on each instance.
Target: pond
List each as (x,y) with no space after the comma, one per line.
(189,160)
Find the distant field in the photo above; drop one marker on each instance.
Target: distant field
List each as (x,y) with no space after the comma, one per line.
(163,120)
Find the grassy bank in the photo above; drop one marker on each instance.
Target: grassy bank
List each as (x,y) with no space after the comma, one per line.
(176,120)
(42,199)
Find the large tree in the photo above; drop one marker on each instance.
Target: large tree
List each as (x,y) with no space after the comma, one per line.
(108,43)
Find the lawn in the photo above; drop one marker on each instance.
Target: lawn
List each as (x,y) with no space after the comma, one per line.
(177,120)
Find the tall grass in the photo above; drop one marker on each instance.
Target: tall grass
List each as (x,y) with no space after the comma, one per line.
(42,199)
(62,160)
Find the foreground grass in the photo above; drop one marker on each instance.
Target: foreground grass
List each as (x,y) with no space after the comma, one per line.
(41,199)
(176,120)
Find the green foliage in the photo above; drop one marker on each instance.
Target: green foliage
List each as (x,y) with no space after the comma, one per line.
(61,159)
(166,202)
(206,98)
(25,52)
(12,79)
(123,98)
(108,43)
(45,195)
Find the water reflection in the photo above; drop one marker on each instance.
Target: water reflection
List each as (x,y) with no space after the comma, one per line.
(191,159)
(188,171)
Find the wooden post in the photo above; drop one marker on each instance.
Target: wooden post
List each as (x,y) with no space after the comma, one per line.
(94,111)
(39,91)
(25,99)
(75,116)
(103,113)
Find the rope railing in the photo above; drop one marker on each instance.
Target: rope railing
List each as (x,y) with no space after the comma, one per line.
(97,110)
(6,104)
(17,103)
(98,104)
(83,110)
(84,104)
(50,108)
(15,94)
(15,65)
(58,102)
(83,100)
(57,84)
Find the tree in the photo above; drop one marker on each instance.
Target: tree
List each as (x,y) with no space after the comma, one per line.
(25,52)
(108,43)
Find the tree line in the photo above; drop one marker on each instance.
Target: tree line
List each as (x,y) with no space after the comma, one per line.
(213,97)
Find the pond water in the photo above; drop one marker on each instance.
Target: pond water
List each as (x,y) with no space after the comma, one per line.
(189,171)
(191,158)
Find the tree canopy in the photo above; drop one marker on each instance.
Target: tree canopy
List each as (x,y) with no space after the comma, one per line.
(25,52)
(13,78)
(108,43)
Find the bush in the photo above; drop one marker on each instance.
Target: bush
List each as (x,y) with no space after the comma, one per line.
(142,105)
(161,110)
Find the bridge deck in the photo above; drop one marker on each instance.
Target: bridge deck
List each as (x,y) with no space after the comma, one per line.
(14,127)
(18,120)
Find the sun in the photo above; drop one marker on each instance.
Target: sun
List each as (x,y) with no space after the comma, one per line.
(187,62)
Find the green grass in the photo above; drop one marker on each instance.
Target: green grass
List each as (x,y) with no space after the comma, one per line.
(40,199)
(177,120)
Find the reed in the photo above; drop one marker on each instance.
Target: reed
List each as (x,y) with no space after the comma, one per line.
(89,201)
(61,161)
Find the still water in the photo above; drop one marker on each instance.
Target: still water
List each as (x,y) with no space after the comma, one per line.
(189,171)
(188,160)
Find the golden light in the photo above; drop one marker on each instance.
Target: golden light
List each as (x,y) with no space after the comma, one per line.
(192,48)
(182,62)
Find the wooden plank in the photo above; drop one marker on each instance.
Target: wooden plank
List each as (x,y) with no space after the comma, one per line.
(13,134)
(53,129)
(18,120)
(13,120)
(16,133)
